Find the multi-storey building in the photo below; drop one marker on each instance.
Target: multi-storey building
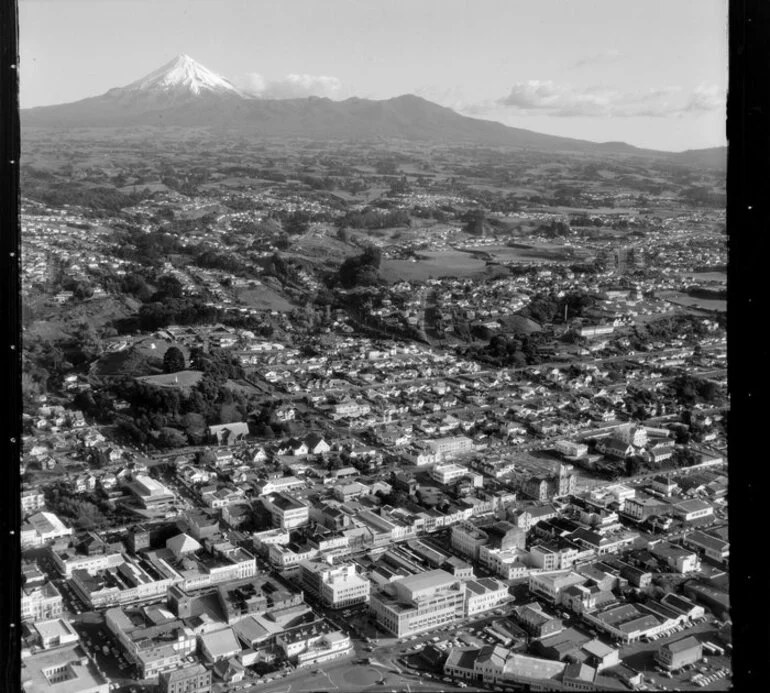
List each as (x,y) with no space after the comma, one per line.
(287,512)
(31,500)
(419,602)
(190,679)
(313,643)
(152,648)
(40,602)
(484,594)
(337,586)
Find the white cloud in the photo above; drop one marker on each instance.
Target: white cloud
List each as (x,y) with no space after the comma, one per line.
(602,58)
(293,86)
(706,97)
(536,97)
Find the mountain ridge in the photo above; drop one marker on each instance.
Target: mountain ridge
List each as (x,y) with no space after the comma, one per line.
(184,93)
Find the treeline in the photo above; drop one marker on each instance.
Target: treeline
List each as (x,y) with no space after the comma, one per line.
(57,193)
(370,218)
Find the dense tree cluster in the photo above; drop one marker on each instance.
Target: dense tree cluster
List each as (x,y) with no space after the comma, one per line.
(371,218)
(361,270)
(691,390)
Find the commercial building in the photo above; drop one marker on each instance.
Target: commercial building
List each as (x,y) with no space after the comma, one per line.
(219,645)
(150,493)
(675,655)
(42,528)
(40,602)
(569,448)
(676,557)
(444,448)
(151,637)
(55,633)
(338,586)
(484,594)
(190,679)
(62,670)
(448,473)
(287,512)
(419,602)
(693,509)
(712,547)
(313,643)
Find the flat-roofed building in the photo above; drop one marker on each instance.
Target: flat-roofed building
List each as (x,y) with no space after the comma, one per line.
(55,633)
(69,561)
(132,581)
(675,655)
(42,528)
(337,586)
(448,473)
(62,670)
(263,594)
(287,511)
(569,448)
(484,594)
(40,602)
(149,492)
(313,643)
(153,644)
(445,448)
(468,539)
(676,557)
(418,603)
(32,500)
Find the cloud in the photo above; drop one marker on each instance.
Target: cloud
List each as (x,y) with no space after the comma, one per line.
(706,97)
(293,86)
(536,97)
(602,58)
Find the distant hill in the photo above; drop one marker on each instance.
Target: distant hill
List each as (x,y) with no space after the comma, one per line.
(715,157)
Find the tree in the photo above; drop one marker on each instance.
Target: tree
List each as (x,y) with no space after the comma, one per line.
(204,458)
(171,438)
(173,360)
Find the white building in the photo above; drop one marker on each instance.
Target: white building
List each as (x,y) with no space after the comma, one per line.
(337,586)
(419,602)
(41,528)
(40,602)
(448,473)
(484,594)
(287,512)
(569,448)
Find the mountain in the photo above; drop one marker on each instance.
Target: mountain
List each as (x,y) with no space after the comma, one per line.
(182,75)
(183,93)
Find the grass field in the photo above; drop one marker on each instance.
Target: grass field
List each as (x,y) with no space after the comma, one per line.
(264,298)
(446,263)
(686,301)
(182,379)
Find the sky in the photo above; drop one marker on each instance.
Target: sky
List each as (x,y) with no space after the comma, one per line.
(651,73)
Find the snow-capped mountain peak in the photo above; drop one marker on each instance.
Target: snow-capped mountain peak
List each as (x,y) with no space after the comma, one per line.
(182,74)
